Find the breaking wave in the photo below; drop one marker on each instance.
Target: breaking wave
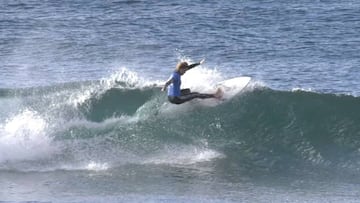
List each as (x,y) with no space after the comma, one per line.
(99,125)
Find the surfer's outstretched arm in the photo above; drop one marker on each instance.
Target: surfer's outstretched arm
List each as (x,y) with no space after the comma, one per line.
(195,64)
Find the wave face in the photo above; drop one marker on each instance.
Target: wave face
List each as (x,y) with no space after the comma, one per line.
(99,125)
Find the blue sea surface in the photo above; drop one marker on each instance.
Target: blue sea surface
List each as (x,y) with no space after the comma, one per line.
(82,117)
(308,44)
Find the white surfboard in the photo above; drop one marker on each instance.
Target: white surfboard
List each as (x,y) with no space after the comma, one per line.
(233,86)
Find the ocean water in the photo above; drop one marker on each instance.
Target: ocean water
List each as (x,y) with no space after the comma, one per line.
(82,117)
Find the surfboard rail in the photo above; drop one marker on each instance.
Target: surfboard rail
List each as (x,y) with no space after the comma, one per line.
(233,86)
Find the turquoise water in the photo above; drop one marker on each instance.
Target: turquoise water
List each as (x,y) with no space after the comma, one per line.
(82,117)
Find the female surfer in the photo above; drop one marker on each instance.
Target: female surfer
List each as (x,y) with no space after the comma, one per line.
(176,95)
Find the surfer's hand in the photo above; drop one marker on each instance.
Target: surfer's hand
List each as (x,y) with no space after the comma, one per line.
(163,88)
(202,61)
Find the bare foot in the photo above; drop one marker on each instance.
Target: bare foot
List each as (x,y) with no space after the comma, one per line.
(219,93)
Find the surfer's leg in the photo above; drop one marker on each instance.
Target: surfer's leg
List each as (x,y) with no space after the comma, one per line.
(175,100)
(194,95)
(217,94)
(203,96)
(184,98)
(185,91)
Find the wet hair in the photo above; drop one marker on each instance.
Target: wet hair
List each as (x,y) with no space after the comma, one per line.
(181,65)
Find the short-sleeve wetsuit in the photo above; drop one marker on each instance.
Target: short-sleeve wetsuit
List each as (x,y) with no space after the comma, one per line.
(179,96)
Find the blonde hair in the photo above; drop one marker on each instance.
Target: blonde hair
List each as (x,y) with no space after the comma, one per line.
(181,65)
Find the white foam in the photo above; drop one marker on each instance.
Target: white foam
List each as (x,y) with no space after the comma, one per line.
(123,78)
(83,166)
(96,166)
(88,166)
(23,137)
(184,155)
(201,79)
(299,89)
(79,97)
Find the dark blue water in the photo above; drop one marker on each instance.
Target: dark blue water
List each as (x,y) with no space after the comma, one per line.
(82,118)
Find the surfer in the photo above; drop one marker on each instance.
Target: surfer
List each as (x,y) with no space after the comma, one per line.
(179,96)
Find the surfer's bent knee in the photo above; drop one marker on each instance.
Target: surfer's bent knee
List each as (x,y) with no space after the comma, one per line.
(175,100)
